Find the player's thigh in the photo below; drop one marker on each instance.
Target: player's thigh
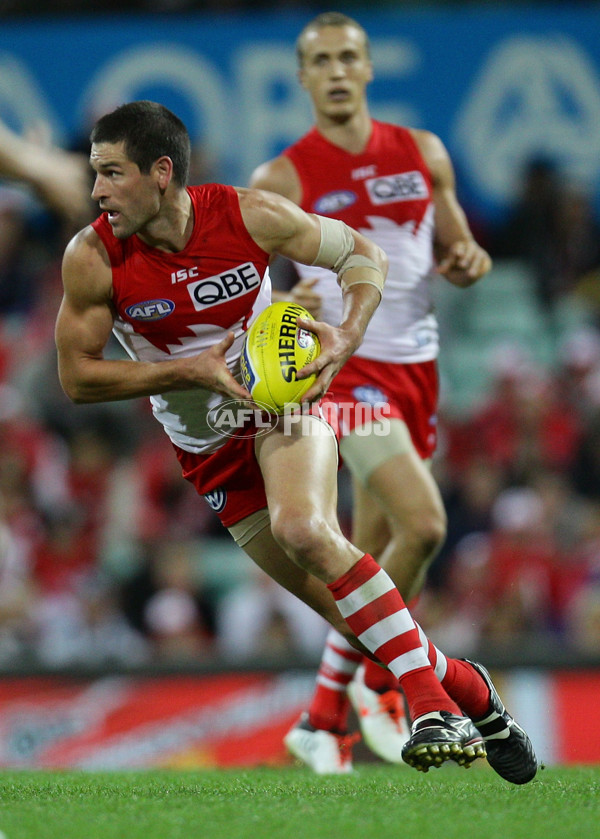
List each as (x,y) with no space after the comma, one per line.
(395,482)
(299,463)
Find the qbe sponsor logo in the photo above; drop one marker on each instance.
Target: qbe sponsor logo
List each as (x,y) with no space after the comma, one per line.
(221,288)
(405,186)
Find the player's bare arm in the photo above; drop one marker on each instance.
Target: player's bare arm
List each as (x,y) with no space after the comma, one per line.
(83,328)
(279,226)
(279,175)
(460,259)
(60,178)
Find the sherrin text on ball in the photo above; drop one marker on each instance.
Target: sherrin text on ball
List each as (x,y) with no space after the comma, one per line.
(276,348)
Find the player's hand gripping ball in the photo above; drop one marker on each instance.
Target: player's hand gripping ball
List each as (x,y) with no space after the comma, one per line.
(274,350)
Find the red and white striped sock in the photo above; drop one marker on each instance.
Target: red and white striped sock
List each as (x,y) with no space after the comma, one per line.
(379,679)
(374,610)
(461,681)
(329,706)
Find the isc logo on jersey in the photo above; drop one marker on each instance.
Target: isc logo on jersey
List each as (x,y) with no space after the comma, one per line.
(221,288)
(405,186)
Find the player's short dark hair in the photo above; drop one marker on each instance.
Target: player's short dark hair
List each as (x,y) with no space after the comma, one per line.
(149,131)
(328,19)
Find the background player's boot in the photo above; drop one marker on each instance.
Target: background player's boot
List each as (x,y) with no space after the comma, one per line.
(382,718)
(325,752)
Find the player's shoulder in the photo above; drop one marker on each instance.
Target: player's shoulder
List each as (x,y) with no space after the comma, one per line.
(277,175)
(210,196)
(85,239)
(428,143)
(258,204)
(86,251)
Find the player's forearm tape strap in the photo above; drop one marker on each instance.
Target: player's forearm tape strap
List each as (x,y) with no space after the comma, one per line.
(336,252)
(375,277)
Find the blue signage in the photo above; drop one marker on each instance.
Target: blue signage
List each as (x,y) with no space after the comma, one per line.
(499,86)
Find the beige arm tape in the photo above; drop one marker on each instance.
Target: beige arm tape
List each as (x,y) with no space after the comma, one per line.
(337,243)
(336,252)
(375,277)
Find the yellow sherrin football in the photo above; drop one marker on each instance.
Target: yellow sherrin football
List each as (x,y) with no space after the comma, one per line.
(274,350)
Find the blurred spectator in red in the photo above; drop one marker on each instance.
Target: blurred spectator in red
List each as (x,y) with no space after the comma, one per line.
(522,425)
(500,584)
(167,505)
(64,556)
(522,558)
(577,371)
(76,612)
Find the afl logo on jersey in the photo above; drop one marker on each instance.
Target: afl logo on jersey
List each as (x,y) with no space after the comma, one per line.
(150,310)
(333,202)
(216,500)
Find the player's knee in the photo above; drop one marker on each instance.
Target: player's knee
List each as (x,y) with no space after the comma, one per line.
(432,532)
(303,537)
(427,532)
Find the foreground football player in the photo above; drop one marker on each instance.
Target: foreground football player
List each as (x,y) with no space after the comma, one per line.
(178,274)
(396,184)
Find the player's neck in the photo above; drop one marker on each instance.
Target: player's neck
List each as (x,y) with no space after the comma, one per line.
(352,134)
(172,228)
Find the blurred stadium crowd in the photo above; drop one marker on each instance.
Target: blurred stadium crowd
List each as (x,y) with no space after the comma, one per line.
(107,556)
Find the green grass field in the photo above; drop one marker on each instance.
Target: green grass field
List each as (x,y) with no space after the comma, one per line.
(290,803)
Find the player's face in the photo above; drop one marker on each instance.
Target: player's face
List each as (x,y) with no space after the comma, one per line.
(130,198)
(336,70)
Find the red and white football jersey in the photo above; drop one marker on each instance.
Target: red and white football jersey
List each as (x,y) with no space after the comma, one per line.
(171,305)
(384,192)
